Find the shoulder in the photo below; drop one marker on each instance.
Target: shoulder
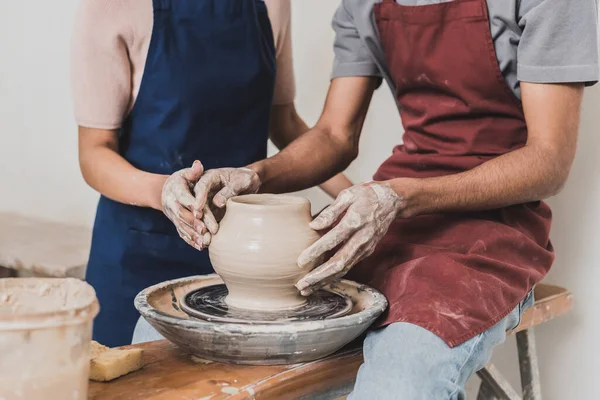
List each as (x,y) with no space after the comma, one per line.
(124,20)
(102,9)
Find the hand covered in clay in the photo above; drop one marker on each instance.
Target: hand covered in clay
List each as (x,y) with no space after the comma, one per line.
(178,201)
(365,212)
(214,189)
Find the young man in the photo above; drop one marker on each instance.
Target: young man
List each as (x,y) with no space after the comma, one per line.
(453,224)
(157,85)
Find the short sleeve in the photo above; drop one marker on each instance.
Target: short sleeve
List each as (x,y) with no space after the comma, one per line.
(352,57)
(280,16)
(559,41)
(100,67)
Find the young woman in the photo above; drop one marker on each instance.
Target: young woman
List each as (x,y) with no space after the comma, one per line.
(158,85)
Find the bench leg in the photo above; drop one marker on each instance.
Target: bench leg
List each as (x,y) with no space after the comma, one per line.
(528,365)
(486,392)
(494,386)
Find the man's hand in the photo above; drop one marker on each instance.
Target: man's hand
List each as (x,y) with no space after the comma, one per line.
(178,201)
(366,213)
(216,187)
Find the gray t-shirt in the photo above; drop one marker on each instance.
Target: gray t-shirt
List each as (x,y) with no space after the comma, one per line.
(539,41)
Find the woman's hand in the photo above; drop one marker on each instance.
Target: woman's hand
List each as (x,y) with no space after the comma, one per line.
(365,212)
(217,186)
(178,201)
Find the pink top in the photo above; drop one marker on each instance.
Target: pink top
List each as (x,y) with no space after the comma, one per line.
(110,47)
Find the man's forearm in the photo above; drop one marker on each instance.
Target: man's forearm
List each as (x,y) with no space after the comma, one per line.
(310,160)
(531,173)
(287,126)
(329,147)
(528,174)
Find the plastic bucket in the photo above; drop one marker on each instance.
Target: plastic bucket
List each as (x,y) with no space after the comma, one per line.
(45,332)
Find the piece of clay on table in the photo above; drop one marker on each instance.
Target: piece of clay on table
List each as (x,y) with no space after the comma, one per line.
(108,364)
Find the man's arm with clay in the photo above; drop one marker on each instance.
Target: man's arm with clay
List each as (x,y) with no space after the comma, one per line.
(534,172)
(315,157)
(361,215)
(285,127)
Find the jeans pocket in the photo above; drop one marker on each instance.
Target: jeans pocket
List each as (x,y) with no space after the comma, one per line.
(526,303)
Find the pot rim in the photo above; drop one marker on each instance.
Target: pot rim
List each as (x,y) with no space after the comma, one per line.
(268,201)
(379,305)
(83,311)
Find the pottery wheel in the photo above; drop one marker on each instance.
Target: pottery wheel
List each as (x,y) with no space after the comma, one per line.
(208,303)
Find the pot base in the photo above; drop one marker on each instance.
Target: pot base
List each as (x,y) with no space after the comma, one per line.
(209,303)
(289,303)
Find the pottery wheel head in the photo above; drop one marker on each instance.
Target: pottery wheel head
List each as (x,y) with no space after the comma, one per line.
(208,303)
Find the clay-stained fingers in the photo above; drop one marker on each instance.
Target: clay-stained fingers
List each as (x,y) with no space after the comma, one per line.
(227,192)
(188,235)
(184,216)
(199,226)
(331,214)
(194,173)
(177,188)
(336,267)
(206,239)
(209,220)
(184,197)
(203,241)
(328,241)
(330,280)
(207,183)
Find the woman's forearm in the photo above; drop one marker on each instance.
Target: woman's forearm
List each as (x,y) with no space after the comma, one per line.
(106,171)
(335,185)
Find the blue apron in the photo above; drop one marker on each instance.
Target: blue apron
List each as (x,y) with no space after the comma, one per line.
(206,95)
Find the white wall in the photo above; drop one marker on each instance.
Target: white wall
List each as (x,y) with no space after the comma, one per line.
(39,173)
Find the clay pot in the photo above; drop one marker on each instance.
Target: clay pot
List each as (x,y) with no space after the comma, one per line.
(256,250)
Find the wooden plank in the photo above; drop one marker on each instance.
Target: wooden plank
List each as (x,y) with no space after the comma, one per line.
(486,392)
(495,383)
(528,365)
(550,302)
(172,374)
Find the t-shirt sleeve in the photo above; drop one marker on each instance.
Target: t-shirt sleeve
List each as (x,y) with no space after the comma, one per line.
(352,57)
(559,41)
(100,67)
(280,16)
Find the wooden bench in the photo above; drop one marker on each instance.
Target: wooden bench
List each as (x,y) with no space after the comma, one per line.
(172,374)
(35,247)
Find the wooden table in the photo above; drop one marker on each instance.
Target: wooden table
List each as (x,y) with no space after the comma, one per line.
(174,375)
(171,374)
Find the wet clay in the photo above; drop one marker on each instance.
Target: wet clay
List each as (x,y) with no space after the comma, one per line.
(208,303)
(45,332)
(287,342)
(256,250)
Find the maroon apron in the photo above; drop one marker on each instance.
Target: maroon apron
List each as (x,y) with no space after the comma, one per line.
(454,274)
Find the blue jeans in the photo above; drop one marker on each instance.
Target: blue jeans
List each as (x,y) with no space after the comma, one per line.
(404,361)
